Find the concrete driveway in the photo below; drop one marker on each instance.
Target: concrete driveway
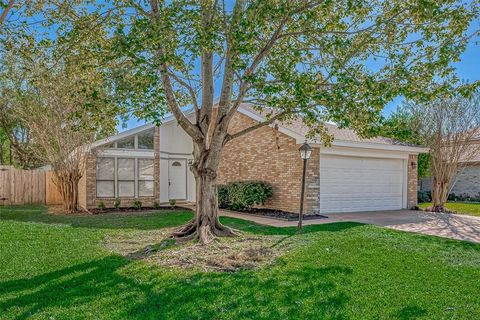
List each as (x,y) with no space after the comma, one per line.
(451,226)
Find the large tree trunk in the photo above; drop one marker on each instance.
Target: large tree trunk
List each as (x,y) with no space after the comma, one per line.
(205,226)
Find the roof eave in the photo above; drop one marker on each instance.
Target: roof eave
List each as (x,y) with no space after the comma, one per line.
(377,146)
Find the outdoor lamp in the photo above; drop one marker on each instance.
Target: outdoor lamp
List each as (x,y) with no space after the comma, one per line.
(305,151)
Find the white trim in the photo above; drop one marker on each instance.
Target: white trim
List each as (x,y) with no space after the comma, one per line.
(126,153)
(380,146)
(364,153)
(405,184)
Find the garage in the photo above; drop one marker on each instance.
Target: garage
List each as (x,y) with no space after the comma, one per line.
(352,184)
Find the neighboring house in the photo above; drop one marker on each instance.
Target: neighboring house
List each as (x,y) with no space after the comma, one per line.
(466,182)
(151,164)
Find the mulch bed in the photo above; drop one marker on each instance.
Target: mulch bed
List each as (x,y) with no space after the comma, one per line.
(279,214)
(135,210)
(58,210)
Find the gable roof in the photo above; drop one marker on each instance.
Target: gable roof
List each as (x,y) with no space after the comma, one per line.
(294,128)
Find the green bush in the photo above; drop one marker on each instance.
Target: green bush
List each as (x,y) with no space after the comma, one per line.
(222,191)
(172,202)
(424,196)
(156,205)
(101,205)
(243,195)
(117,203)
(137,204)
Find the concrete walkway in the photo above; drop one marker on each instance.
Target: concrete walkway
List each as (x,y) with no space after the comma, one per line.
(451,226)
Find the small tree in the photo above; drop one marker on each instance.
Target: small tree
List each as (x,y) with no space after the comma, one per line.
(401,125)
(62,94)
(447,126)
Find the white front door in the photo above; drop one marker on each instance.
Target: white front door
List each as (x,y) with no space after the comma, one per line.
(349,184)
(177,179)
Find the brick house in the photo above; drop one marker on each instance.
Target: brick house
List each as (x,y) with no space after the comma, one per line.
(466,182)
(150,163)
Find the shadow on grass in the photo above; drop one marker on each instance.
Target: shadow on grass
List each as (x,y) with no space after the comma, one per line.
(149,221)
(114,287)
(141,220)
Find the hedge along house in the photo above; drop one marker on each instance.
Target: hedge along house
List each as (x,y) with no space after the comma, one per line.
(150,164)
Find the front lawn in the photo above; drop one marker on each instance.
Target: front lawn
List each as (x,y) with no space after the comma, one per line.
(471,209)
(55,267)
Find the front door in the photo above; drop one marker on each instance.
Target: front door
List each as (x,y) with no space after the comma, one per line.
(177,179)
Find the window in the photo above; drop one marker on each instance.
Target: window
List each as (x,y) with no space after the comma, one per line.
(126,177)
(128,143)
(105,177)
(145,139)
(145,177)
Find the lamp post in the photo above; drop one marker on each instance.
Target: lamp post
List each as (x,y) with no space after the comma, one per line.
(305,152)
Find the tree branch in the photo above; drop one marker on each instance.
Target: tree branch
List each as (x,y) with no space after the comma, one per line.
(182,120)
(259,125)
(6,10)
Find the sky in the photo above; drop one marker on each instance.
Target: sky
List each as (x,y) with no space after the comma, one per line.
(468,69)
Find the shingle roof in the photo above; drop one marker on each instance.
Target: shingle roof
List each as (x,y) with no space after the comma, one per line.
(340,134)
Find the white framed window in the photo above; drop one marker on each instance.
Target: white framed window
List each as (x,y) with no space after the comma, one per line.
(141,141)
(124,177)
(145,140)
(145,177)
(105,177)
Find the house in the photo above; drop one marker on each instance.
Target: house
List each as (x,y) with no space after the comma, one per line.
(466,183)
(150,163)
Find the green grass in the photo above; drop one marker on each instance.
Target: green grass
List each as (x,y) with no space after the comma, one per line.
(471,209)
(54,267)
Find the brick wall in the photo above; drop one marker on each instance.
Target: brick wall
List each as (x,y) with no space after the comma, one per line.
(268,155)
(90,183)
(412,181)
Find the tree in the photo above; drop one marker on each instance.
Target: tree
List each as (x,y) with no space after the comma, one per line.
(6,8)
(402,126)
(447,126)
(62,93)
(322,61)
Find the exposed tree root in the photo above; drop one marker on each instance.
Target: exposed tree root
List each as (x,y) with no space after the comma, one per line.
(204,233)
(440,209)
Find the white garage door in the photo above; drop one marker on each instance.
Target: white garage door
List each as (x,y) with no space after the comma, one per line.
(349,184)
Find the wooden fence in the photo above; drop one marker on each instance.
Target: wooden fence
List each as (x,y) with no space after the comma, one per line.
(27,187)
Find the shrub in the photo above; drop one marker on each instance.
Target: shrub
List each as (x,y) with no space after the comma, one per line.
(156,205)
(101,205)
(172,202)
(137,204)
(222,192)
(243,195)
(117,203)
(424,196)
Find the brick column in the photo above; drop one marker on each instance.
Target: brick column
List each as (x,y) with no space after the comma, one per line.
(412,181)
(312,183)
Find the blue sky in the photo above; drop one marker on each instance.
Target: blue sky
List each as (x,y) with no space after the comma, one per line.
(468,69)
